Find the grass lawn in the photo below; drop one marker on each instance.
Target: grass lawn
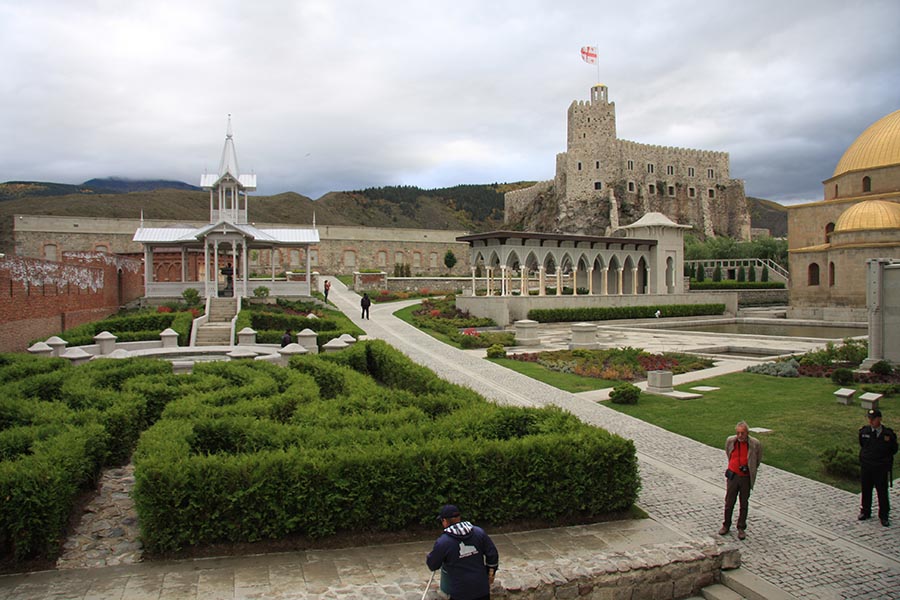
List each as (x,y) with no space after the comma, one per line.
(564,381)
(802,412)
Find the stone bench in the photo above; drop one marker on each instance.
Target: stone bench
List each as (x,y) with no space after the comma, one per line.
(844,395)
(870,400)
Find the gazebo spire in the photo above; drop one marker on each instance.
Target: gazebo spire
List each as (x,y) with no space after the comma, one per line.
(228,163)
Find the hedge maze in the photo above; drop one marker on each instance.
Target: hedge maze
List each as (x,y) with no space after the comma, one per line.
(361,440)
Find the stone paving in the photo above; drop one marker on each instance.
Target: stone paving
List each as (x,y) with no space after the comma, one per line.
(803,536)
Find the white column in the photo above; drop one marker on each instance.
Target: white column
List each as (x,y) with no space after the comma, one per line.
(504,282)
(473,279)
(206,265)
(244,259)
(308,273)
(575,281)
(148,268)
(590,276)
(490,280)
(183,265)
(619,279)
(542,280)
(605,284)
(523,281)
(272,260)
(558,281)
(634,281)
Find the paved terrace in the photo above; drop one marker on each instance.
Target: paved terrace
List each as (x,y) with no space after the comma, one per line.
(802,537)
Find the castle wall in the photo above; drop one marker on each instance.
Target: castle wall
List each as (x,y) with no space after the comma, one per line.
(341,249)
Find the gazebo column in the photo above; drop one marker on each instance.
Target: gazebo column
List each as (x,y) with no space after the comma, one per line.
(490,280)
(542,280)
(244,259)
(502,280)
(206,268)
(148,267)
(558,281)
(619,279)
(308,272)
(605,286)
(590,276)
(523,281)
(634,281)
(183,264)
(474,269)
(575,281)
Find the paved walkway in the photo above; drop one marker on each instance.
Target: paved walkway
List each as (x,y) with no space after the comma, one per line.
(802,535)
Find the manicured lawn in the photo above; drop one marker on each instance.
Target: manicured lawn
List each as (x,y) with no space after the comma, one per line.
(801,411)
(564,381)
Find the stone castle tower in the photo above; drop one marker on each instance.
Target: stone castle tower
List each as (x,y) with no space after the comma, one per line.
(603,183)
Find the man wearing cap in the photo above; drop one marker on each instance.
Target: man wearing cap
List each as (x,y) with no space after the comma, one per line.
(744,455)
(467,556)
(877,447)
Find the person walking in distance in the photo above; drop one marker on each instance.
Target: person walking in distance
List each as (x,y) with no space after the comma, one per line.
(744,455)
(327,288)
(877,447)
(286,338)
(466,555)
(365,303)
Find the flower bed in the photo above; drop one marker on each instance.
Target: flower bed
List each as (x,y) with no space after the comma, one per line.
(620,364)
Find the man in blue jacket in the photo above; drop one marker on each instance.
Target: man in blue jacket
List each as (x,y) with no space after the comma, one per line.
(467,556)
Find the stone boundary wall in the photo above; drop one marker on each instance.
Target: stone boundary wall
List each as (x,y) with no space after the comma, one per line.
(660,572)
(39,298)
(752,297)
(517,201)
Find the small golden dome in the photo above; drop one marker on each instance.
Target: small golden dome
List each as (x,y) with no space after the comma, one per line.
(870,214)
(877,146)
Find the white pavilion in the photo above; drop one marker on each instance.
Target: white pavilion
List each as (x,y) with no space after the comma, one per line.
(225,242)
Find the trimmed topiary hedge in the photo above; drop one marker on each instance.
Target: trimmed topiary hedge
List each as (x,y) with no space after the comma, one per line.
(609,313)
(139,327)
(364,440)
(58,426)
(729,284)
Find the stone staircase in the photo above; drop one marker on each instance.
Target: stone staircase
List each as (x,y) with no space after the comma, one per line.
(217,329)
(738,584)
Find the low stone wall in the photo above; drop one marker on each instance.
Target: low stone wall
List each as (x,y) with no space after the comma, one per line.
(753,297)
(660,572)
(508,309)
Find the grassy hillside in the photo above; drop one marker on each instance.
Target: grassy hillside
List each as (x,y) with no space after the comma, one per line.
(769,215)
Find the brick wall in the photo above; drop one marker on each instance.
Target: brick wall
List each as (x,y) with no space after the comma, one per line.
(40,298)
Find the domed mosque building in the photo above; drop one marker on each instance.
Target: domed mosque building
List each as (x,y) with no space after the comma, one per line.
(829,241)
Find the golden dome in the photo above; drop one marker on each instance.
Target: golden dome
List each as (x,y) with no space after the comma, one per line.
(878,146)
(870,214)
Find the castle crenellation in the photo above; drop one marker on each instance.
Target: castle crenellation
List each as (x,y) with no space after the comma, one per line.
(603,182)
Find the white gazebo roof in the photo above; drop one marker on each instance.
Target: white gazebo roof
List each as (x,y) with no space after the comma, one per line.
(655,219)
(158,235)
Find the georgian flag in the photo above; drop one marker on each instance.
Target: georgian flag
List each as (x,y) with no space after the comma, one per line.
(589,54)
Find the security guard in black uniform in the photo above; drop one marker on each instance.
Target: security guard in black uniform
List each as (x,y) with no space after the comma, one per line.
(877,447)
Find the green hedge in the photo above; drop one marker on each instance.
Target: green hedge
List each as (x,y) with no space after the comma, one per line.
(363,440)
(59,425)
(139,327)
(737,285)
(597,313)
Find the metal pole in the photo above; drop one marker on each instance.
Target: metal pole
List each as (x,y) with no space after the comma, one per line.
(425,593)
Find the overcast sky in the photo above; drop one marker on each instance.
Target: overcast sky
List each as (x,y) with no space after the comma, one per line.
(340,95)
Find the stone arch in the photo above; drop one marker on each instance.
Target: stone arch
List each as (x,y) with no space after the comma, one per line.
(643,272)
(670,275)
(628,276)
(612,280)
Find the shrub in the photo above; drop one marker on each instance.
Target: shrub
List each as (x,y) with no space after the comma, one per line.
(776,369)
(599,313)
(841,462)
(765,273)
(625,393)
(701,273)
(496,351)
(741,274)
(751,273)
(261,292)
(882,367)
(191,296)
(717,273)
(842,376)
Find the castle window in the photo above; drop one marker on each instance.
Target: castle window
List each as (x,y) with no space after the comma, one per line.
(50,252)
(828,229)
(631,165)
(670,170)
(651,188)
(711,193)
(692,192)
(579,166)
(710,173)
(672,190)
(399,258)
(831,274)
(690,171)
(867,184)
(630,186)
(597,164)
(598,185)
(835,191)
(649,167)
(812,274)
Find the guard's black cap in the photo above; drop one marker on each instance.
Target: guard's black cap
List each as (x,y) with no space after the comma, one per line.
(448,511)
(873,412)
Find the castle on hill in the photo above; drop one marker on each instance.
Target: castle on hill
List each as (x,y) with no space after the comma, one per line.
(603,183)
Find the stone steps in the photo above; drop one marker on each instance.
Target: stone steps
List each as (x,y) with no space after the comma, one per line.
(740,584)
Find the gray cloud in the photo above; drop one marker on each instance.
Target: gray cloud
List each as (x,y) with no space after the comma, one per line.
(335,95)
